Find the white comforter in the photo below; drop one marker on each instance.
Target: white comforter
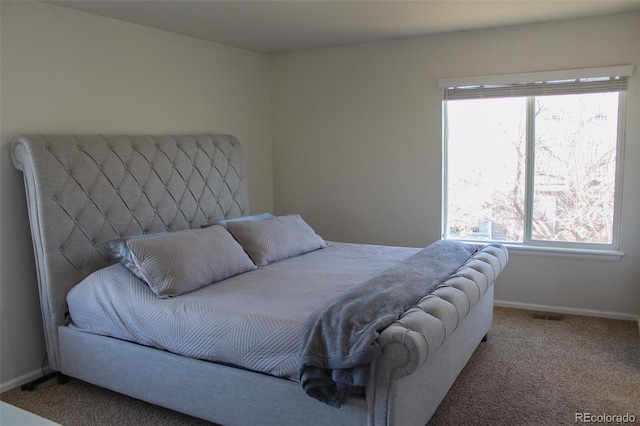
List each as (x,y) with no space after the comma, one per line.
(253,320)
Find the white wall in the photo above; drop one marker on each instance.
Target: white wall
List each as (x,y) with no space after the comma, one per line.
(64,71)
(357,146)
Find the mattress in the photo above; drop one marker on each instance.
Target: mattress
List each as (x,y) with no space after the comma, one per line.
(253,320)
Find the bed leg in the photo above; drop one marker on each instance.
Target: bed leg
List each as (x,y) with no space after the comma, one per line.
(62,379)
(485,338)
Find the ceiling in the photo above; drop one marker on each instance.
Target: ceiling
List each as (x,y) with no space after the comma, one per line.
(269,26)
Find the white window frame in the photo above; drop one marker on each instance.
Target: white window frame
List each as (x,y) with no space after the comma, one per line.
(530,85)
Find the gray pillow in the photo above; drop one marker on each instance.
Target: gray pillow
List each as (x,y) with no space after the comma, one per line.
(121,253)
(261,216)
(184,261)
(274,239)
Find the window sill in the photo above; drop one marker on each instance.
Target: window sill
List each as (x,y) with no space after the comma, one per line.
(569,253)
(558,252)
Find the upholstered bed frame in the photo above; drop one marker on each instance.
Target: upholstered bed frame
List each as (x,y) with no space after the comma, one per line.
(84,190)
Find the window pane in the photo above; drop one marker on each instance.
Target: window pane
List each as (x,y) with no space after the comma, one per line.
(575,167)
(486,147)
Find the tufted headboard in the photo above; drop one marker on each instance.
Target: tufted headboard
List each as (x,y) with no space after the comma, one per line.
(85,190)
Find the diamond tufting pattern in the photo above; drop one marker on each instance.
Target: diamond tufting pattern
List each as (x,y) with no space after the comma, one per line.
(85,190)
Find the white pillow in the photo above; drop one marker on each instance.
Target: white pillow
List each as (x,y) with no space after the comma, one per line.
(184,261)
(277,238)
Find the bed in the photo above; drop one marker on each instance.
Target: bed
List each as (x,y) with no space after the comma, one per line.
(84,192)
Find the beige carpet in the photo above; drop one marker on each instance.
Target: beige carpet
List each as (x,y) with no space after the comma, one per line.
(530,372)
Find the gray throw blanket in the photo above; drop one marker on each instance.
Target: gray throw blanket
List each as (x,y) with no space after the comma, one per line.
(339,340)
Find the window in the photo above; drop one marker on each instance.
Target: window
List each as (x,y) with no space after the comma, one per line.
(534,159)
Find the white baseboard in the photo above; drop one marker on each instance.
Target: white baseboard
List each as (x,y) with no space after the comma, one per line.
(568,311)
(25,378)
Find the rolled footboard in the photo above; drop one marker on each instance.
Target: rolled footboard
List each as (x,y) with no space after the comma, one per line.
(462,308)
(424,328)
